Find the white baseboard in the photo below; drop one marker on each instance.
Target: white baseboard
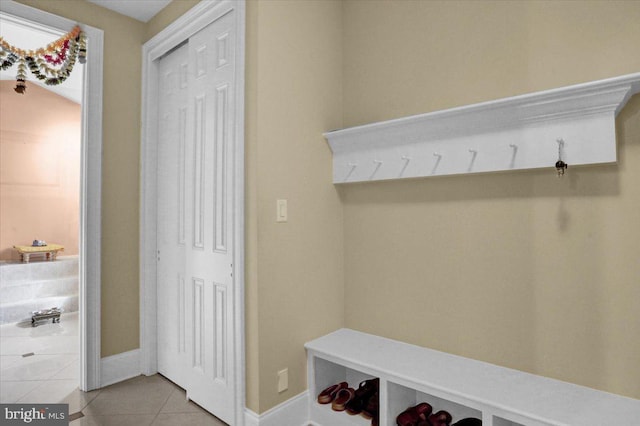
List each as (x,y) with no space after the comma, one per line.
(251,418)
(292,412)
(117,368)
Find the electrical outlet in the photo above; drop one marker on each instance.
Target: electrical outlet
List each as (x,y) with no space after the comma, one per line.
(282,214)
(283,380)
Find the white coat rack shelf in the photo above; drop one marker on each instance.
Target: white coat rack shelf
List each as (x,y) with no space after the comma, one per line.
(521,132)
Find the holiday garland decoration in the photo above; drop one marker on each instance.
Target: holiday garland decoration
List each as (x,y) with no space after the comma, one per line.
(51,64)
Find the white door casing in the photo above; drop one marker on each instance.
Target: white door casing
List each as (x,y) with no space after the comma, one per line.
(90,186)
(221,287)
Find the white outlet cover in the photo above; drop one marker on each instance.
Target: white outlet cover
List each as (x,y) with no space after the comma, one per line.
(282,214)
(283,380)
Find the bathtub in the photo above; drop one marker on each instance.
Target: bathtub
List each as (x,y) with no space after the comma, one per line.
(27,287)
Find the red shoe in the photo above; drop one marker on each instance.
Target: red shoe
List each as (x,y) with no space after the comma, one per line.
(375,421)
(414,415)
(342,399)
(441,418)
(372,407)
(328,395)
(366,389)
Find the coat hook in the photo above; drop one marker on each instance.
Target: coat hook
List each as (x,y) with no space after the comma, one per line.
(406,163)
(437,163)
(561,166)
(378,163)
(513,155)
(474,153)
(352,168)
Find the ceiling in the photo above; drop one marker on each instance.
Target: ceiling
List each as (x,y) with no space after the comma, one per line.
(142,10)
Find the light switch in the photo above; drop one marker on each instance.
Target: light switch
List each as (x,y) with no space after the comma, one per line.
(281,211)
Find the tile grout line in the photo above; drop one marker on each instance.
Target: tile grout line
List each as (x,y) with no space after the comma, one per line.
(162,406)
(29,391)
(75,416)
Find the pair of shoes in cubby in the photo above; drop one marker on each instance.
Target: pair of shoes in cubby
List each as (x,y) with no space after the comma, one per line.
(423,415)
(364,401)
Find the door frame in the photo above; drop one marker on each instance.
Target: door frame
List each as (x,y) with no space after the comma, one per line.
(89,242)
(197,18)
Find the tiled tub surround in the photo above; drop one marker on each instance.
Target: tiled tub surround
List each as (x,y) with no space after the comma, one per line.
(26,287)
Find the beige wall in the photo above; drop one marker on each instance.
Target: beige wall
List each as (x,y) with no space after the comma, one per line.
(518,269)
(39,170)
(410,57)
(294,278)
(120,166)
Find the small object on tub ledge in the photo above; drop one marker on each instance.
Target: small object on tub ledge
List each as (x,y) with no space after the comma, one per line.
(53,314)
(50,251)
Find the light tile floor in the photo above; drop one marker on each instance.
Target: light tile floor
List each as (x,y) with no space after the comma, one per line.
(51,375)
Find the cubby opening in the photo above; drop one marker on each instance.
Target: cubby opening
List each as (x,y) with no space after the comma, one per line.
(499,421)
(402,397)
(327,374)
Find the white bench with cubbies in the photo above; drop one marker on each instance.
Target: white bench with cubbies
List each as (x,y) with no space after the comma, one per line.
(464,387)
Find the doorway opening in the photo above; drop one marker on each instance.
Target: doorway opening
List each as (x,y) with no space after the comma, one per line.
(86,326)
(40,132)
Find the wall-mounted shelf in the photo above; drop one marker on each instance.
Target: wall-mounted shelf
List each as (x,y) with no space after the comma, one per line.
(464,387)
(506,134)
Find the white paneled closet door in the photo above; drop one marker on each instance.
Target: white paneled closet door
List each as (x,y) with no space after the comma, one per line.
(195,218)
(174,135)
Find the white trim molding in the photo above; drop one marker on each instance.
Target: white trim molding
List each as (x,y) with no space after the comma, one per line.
(197,18)
(119,367)
(251,418)
(521,132)
(90,186)
(294,411)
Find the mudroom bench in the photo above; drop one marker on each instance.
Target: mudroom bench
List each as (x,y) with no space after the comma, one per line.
(464,387)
